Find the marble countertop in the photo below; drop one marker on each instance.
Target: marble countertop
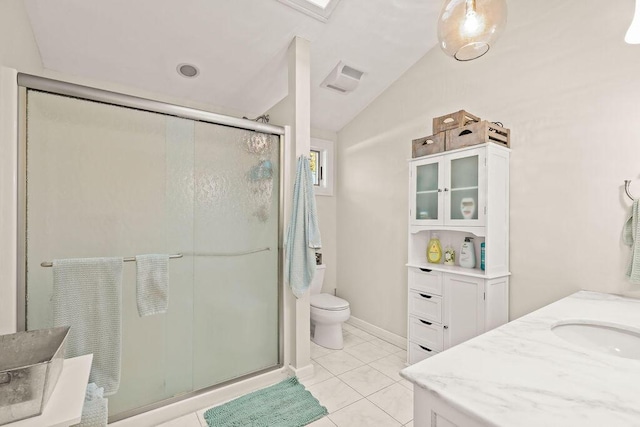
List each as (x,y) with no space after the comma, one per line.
(522,374)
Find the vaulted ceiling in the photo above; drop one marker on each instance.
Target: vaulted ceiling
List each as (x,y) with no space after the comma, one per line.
(238,45)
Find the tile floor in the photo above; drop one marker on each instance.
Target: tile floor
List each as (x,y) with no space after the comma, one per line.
(359,385)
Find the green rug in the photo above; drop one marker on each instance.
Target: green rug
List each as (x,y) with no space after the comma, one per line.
(286,404)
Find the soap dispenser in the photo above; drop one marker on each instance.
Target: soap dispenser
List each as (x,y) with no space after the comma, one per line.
(467,254)
(434,250)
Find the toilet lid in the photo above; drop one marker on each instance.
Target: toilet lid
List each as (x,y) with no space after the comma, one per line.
(328,302)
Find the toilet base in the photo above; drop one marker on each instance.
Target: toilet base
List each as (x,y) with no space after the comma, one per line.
(329,336)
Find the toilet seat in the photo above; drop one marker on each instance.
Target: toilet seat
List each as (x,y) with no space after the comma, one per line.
(328,302)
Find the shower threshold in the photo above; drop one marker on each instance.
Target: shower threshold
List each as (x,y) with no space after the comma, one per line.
(168,409)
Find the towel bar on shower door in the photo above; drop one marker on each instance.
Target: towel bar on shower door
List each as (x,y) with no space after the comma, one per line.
(127,259)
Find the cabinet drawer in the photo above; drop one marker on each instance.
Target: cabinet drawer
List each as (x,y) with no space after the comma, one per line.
(425,306)
(419,352)
(425,281)
(426,333)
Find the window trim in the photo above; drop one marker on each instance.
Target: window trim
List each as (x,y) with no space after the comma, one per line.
(311,9)
(327,162)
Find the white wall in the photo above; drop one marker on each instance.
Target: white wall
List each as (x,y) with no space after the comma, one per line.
(326,206)
(563,80)
(18,47)
(17,50)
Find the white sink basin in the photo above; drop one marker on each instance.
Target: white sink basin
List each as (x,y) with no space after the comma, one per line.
(605,338)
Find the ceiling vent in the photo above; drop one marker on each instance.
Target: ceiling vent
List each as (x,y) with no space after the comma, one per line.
(343,79)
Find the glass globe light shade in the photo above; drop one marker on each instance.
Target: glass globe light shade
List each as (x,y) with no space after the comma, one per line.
(468,28)
(633,33)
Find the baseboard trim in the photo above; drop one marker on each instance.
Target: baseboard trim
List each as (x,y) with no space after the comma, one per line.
(378,332)
(304,372)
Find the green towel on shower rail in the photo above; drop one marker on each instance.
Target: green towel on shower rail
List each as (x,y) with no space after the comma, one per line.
(631,234)
(303,235)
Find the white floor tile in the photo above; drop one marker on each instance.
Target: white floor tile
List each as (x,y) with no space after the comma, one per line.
(319,374)
(346,327)
(339,362)
(407,384)
(367,352)
(390,366)
(409,424)
(366,380)
(402,354)
(361,334)
(319,351)
(200,415)
(334,394)
(396,401)
(190,420)
(322,422)
(350,340)
(388,347)
(363,414)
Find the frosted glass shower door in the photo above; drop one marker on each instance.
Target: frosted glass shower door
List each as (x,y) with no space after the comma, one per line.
(105,181)
(235,311)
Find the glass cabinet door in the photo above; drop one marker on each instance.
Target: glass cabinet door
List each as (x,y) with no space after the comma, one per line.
(427,206)
(465,201)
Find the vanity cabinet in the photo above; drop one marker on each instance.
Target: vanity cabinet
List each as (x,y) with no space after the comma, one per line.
(455,195)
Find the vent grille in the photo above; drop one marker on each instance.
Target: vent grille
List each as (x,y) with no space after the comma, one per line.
(343,78)
(336,88)
(352,72)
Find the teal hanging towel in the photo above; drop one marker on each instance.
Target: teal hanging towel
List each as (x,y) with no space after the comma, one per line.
(631,235)
(303,234)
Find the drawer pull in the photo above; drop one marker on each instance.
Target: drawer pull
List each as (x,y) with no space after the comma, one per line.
(425,348)
(426,270)
(425,322)
(425,296)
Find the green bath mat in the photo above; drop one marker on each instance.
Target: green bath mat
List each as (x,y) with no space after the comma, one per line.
(286,404)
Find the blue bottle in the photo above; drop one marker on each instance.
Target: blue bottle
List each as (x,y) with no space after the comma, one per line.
(482,255)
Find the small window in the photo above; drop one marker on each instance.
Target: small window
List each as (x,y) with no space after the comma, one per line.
(316,167)
(321,162)
(319,9)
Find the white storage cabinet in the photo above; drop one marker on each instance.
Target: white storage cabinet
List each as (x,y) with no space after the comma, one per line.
(457,194)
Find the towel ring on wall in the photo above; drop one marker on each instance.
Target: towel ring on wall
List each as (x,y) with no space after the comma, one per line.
(627,182)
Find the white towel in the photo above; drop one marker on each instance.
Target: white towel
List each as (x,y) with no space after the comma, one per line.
(87,296)
(631,237)
(152,283)
(303,235)
(95,409)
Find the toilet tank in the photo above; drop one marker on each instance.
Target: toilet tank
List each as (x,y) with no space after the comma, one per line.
(318,279)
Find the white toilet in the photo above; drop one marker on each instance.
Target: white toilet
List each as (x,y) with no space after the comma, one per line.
(328,312)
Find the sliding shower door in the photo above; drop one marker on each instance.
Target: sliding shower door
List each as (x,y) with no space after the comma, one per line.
(103,180)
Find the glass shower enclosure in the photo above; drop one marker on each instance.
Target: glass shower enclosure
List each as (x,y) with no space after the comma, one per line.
(104,180)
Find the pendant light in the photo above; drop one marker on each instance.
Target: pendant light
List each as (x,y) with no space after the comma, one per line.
(633,33)
(468,28)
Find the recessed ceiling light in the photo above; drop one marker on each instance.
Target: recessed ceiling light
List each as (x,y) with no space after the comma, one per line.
(187,70)
(319,9)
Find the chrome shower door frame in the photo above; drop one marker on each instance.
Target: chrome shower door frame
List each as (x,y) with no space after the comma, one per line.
(30,82)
